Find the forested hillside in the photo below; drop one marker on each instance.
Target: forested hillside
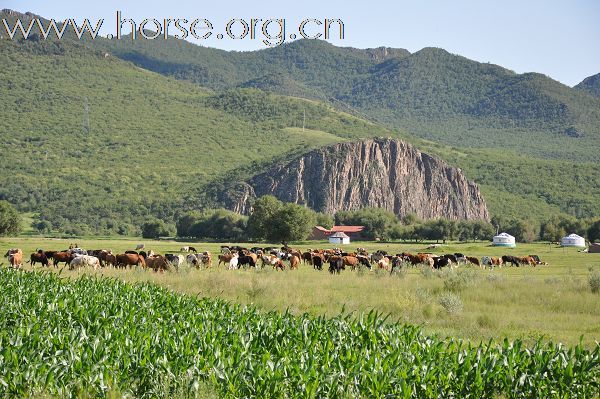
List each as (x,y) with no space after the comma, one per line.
(98,143)
(590,85)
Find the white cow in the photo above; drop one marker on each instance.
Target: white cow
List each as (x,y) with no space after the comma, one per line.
(193,260)
(233,263)
(84,260)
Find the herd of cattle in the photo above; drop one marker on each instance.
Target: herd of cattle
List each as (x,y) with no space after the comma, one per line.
(235,257)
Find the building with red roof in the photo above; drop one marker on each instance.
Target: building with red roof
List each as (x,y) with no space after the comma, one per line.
(321,233)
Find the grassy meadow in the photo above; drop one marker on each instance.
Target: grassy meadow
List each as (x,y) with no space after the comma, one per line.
(553,302)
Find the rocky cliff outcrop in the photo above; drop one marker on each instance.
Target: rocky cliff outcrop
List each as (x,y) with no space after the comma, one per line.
(383,173)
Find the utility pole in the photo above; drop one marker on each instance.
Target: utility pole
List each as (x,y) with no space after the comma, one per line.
(304,120)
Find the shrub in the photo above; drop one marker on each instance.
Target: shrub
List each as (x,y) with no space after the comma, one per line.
(459,280)
(594,281)
(451,302)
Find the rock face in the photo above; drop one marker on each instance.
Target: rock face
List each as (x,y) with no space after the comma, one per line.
(384,173)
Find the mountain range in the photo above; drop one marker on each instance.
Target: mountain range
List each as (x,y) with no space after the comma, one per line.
(103,133)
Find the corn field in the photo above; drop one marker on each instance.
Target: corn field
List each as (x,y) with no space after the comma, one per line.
(90,336)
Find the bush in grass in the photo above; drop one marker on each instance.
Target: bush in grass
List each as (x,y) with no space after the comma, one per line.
(426,271)
(451,302)
(459,280)
(594,281)
(400,272)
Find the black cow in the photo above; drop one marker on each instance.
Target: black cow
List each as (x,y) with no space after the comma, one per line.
(441,261)
(451,257)
(513,260)
(246,260)
(396,262)
(317,262)
(336,264)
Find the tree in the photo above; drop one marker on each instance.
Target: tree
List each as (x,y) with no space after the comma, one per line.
(185,222)
(261,217)
(523,230)
(157,228)
(219,224)
(324,220)
(291,222)
(377,221)
(593,232)
(10,221)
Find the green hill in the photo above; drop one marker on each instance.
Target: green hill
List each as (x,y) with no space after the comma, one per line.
(590,85)
(98,144)
(151,139)
(431,93)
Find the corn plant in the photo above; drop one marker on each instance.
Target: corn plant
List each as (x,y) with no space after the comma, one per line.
(91,336)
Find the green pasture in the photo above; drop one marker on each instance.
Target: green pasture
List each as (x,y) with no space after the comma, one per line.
(553,302)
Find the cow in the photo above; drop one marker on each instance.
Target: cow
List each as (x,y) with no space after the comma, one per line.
(226,258)
(139,246)
(513,260)
(473,260)
(497,261)
(184,249)
(537,260)
(193,260)
(78,251)
(84,260)
(336,264)
(384,263)
(460,258)
(15,257)
(63,256)
(396,262)
(206,259)
(38,257)
(124,260)
(441,261)
(247,260)
(294,262)
(192,249)
(233,261)
(351,261)
(317,261)
(50,254)
(106,256)
(528,260)
(307,257)
(451,257)
(157,263)
(175,260)
(364,260)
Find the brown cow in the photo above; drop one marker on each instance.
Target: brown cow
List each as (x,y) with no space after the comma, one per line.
(38,257)
(124,260)
(225,258)
(497,261)
(473,260)
(15,257)
(63,256)
(384,263)
(307,257)
(294,262)
(157,263)
(206,259)
(351,261)
(528,260)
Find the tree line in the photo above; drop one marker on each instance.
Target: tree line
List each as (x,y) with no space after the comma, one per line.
(275,221)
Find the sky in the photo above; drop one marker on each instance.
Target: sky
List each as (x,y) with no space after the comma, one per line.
(560,39)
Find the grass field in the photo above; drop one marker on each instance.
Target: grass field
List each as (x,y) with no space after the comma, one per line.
(553,302)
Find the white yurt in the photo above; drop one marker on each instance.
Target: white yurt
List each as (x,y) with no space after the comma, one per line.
(572,240)
(339,238)
(503,240)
